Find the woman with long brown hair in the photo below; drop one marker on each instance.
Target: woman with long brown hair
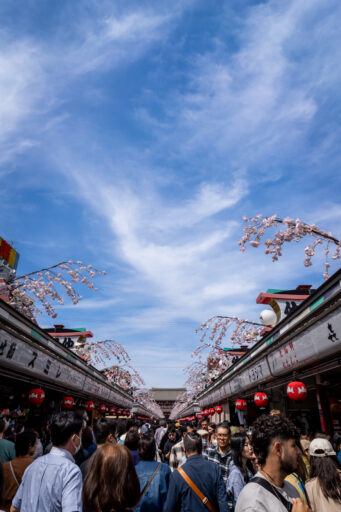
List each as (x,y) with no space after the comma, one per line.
(111,484)
(324,486)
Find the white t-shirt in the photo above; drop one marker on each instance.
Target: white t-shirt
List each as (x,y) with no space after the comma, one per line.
(254,498)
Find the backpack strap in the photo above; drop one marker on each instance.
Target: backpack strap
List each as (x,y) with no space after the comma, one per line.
(269,487)
(148,484)
(197,491)
(12,470)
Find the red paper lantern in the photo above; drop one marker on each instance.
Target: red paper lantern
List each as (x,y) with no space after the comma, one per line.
(211,411)
(36,396)
(261,399)
(297,391)
(219,409)
(112,410)
(206,412)
(5,412)
(102,408)
(118,412)
(67,402)
(241,404)
(89,406)
(200,416)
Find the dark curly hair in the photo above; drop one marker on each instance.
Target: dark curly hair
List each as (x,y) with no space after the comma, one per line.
(268,428)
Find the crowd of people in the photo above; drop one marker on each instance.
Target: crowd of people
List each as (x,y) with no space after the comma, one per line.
(127,465)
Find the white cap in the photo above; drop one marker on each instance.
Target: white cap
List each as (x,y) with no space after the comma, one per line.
(320,447)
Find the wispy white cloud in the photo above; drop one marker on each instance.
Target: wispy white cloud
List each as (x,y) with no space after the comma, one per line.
(35,76)
(240,114)
(255,106)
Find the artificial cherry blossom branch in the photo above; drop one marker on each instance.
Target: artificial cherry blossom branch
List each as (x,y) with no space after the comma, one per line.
(295,231)
(25,291)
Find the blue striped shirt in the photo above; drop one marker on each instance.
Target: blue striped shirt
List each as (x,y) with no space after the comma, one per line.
(52,483)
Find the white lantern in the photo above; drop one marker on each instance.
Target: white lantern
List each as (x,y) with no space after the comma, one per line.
(268,317)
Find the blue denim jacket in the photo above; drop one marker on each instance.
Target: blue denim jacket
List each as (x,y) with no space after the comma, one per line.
(155,497)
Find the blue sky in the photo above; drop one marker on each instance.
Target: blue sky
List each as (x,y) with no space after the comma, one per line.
(134,136)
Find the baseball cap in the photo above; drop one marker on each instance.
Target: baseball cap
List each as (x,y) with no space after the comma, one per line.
(321,448)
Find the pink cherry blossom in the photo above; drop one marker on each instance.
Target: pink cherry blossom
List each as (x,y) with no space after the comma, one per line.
(31,293)
(295,231)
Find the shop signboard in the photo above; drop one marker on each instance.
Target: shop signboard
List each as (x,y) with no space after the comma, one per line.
(318,341)
(20,355)
(92,387)
(226,390)
(15,353)
(235,384)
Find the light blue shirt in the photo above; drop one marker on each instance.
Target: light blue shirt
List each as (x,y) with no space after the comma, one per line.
(52,483)
(236,482)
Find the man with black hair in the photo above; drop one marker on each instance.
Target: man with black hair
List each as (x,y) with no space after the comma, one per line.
(275,444)
(221,453)
(171,441)
(204,424)
(53,482)
(197,474)
(105,432)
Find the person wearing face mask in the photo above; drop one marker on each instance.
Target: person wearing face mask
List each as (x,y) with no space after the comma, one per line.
(204,437)
(53,482)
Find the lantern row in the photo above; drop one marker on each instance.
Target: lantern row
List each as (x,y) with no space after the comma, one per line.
(296,391)
(37,397)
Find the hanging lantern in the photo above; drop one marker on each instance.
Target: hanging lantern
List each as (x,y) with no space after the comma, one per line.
(5,412)
(36,396)
(112,410)
(211,411)
(218,409)
(200,416)
(118,412)
(102,408)
(206,412)
(261,399)
(89,406)
(241,404)
(297,391)
(127,414)
(67,402)
(202,412)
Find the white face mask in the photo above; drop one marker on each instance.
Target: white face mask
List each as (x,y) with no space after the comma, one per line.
(77,448)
